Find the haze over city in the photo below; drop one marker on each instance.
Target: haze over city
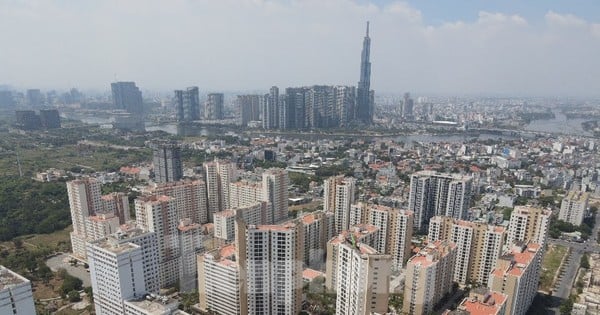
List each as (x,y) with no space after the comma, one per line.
(539,48)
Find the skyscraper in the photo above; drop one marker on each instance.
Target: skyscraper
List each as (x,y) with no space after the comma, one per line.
(275,191)
(16,296)
(573,207)
(249,106)
(396,230)
(219,174)
(270,109)
(213,107)
(339,194)
(50,118)
(528,224)
(433,193)
(364,105)
(84,201)
(127,96)
(34,98)
(167,162)
(187,104)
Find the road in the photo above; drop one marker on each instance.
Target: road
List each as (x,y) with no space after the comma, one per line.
(62,261)
(569,272)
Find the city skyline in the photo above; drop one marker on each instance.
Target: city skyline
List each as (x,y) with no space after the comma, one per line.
(487,48)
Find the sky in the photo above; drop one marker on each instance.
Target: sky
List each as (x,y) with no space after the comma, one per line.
(453,47)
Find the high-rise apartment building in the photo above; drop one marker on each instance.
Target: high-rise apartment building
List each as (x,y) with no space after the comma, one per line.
(275,184)
(481,301)
(478,246)
(338,196)
(517,274)
(213,107)
(16,296)
(407,107)
(127,96)
(270,109)
(249,107)
(84,201)
(224,221)
(187,104)
(573,207)
(364,103)
(427,279)
(189,195)
(34,98)
(50,118)
(244,193)
(395,232)
(528,224)
(118,204)
(159,214)
(271,257)
(220,284)
(363,279)
(344,107)
(318,230)
(190,244)
(219,175)
(117,274)
(167,162)
(364,233)
(433,193)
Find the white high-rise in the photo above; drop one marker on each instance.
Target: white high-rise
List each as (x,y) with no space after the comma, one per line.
(433,193)
(573,207)
(16,296)
(219,174)
(190,198)
(363,279)
(84,201)
(275,184)
(271,256)
(244,193)
(220,286)
(318,230)
(190,244)
(528,224)
(395,232)
(338,196)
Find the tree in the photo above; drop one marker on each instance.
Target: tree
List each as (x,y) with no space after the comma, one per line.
(73,296)
(585,261)
(71,283)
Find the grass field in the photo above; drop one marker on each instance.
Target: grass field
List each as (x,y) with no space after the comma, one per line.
(551,266)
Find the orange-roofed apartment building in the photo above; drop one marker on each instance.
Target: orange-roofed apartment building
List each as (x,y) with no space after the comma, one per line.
(478,246)
(428,278)
(517,274)
(481,301)
(528,224)
(395,232)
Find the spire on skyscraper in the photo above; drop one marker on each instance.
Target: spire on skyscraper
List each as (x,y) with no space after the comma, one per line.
(364,103)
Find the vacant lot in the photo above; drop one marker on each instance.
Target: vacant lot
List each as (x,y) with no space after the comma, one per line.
(551,266)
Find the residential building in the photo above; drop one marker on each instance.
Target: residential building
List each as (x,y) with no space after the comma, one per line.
(395,232)
(271,256)
(213,107)
(127,96)
(189,195)
(49,118)
(517,274)
(481,301)
(275,184)
(84,201)
(244,193)
(190,244)
(187,104)
(167,162)
(220,284)
(16,296)
(363,279)
(478,246)
(433,193)
(528,224)
(338,196)
(153,305)
(318,230)
(573,207)
(427,279)
(249,107)
(364,233)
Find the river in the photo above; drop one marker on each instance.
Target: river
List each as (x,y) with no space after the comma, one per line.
(559,125)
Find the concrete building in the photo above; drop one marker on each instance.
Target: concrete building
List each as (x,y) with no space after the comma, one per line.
(478,246)
(338,196)
(117,274)
(365,234)
(190,244)
(433,193)
(101,225)
(244,193)
(224,221)
(116,203)
(50,118)
(395,232)
(221,287)
(271,256)
(16,296)
(166,158)
(153,305)
(84,201)
(364,98)
(189,195)
(127,96)
(213,107)
(481,301)
(249,107)
(517,274)
(427,279)
(363,279)
(159,214)
(528,224)
(318,229)
(275,184)
(219,175)
(187,104)
(573,207)
(224,225)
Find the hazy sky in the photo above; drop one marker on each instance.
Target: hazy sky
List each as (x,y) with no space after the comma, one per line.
(516,47)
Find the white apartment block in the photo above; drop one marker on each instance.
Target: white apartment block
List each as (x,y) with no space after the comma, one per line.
(116,203)
(271,256)
(159,214)
(318,230)
(363,279)
(358,213)
(219,174)
(158,305)
(224,221)
(244,193)
(275,184)
(84,201)
(16,296)
(528,224)
(190,244)
(573,207)
(517,274)
(365,234)
(339,195)
(224,225)
(101,225)
(190,198)
(219,284)
(117,274)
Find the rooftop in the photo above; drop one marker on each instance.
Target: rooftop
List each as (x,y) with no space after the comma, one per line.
(487,304)
(9,278)
(159,305)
